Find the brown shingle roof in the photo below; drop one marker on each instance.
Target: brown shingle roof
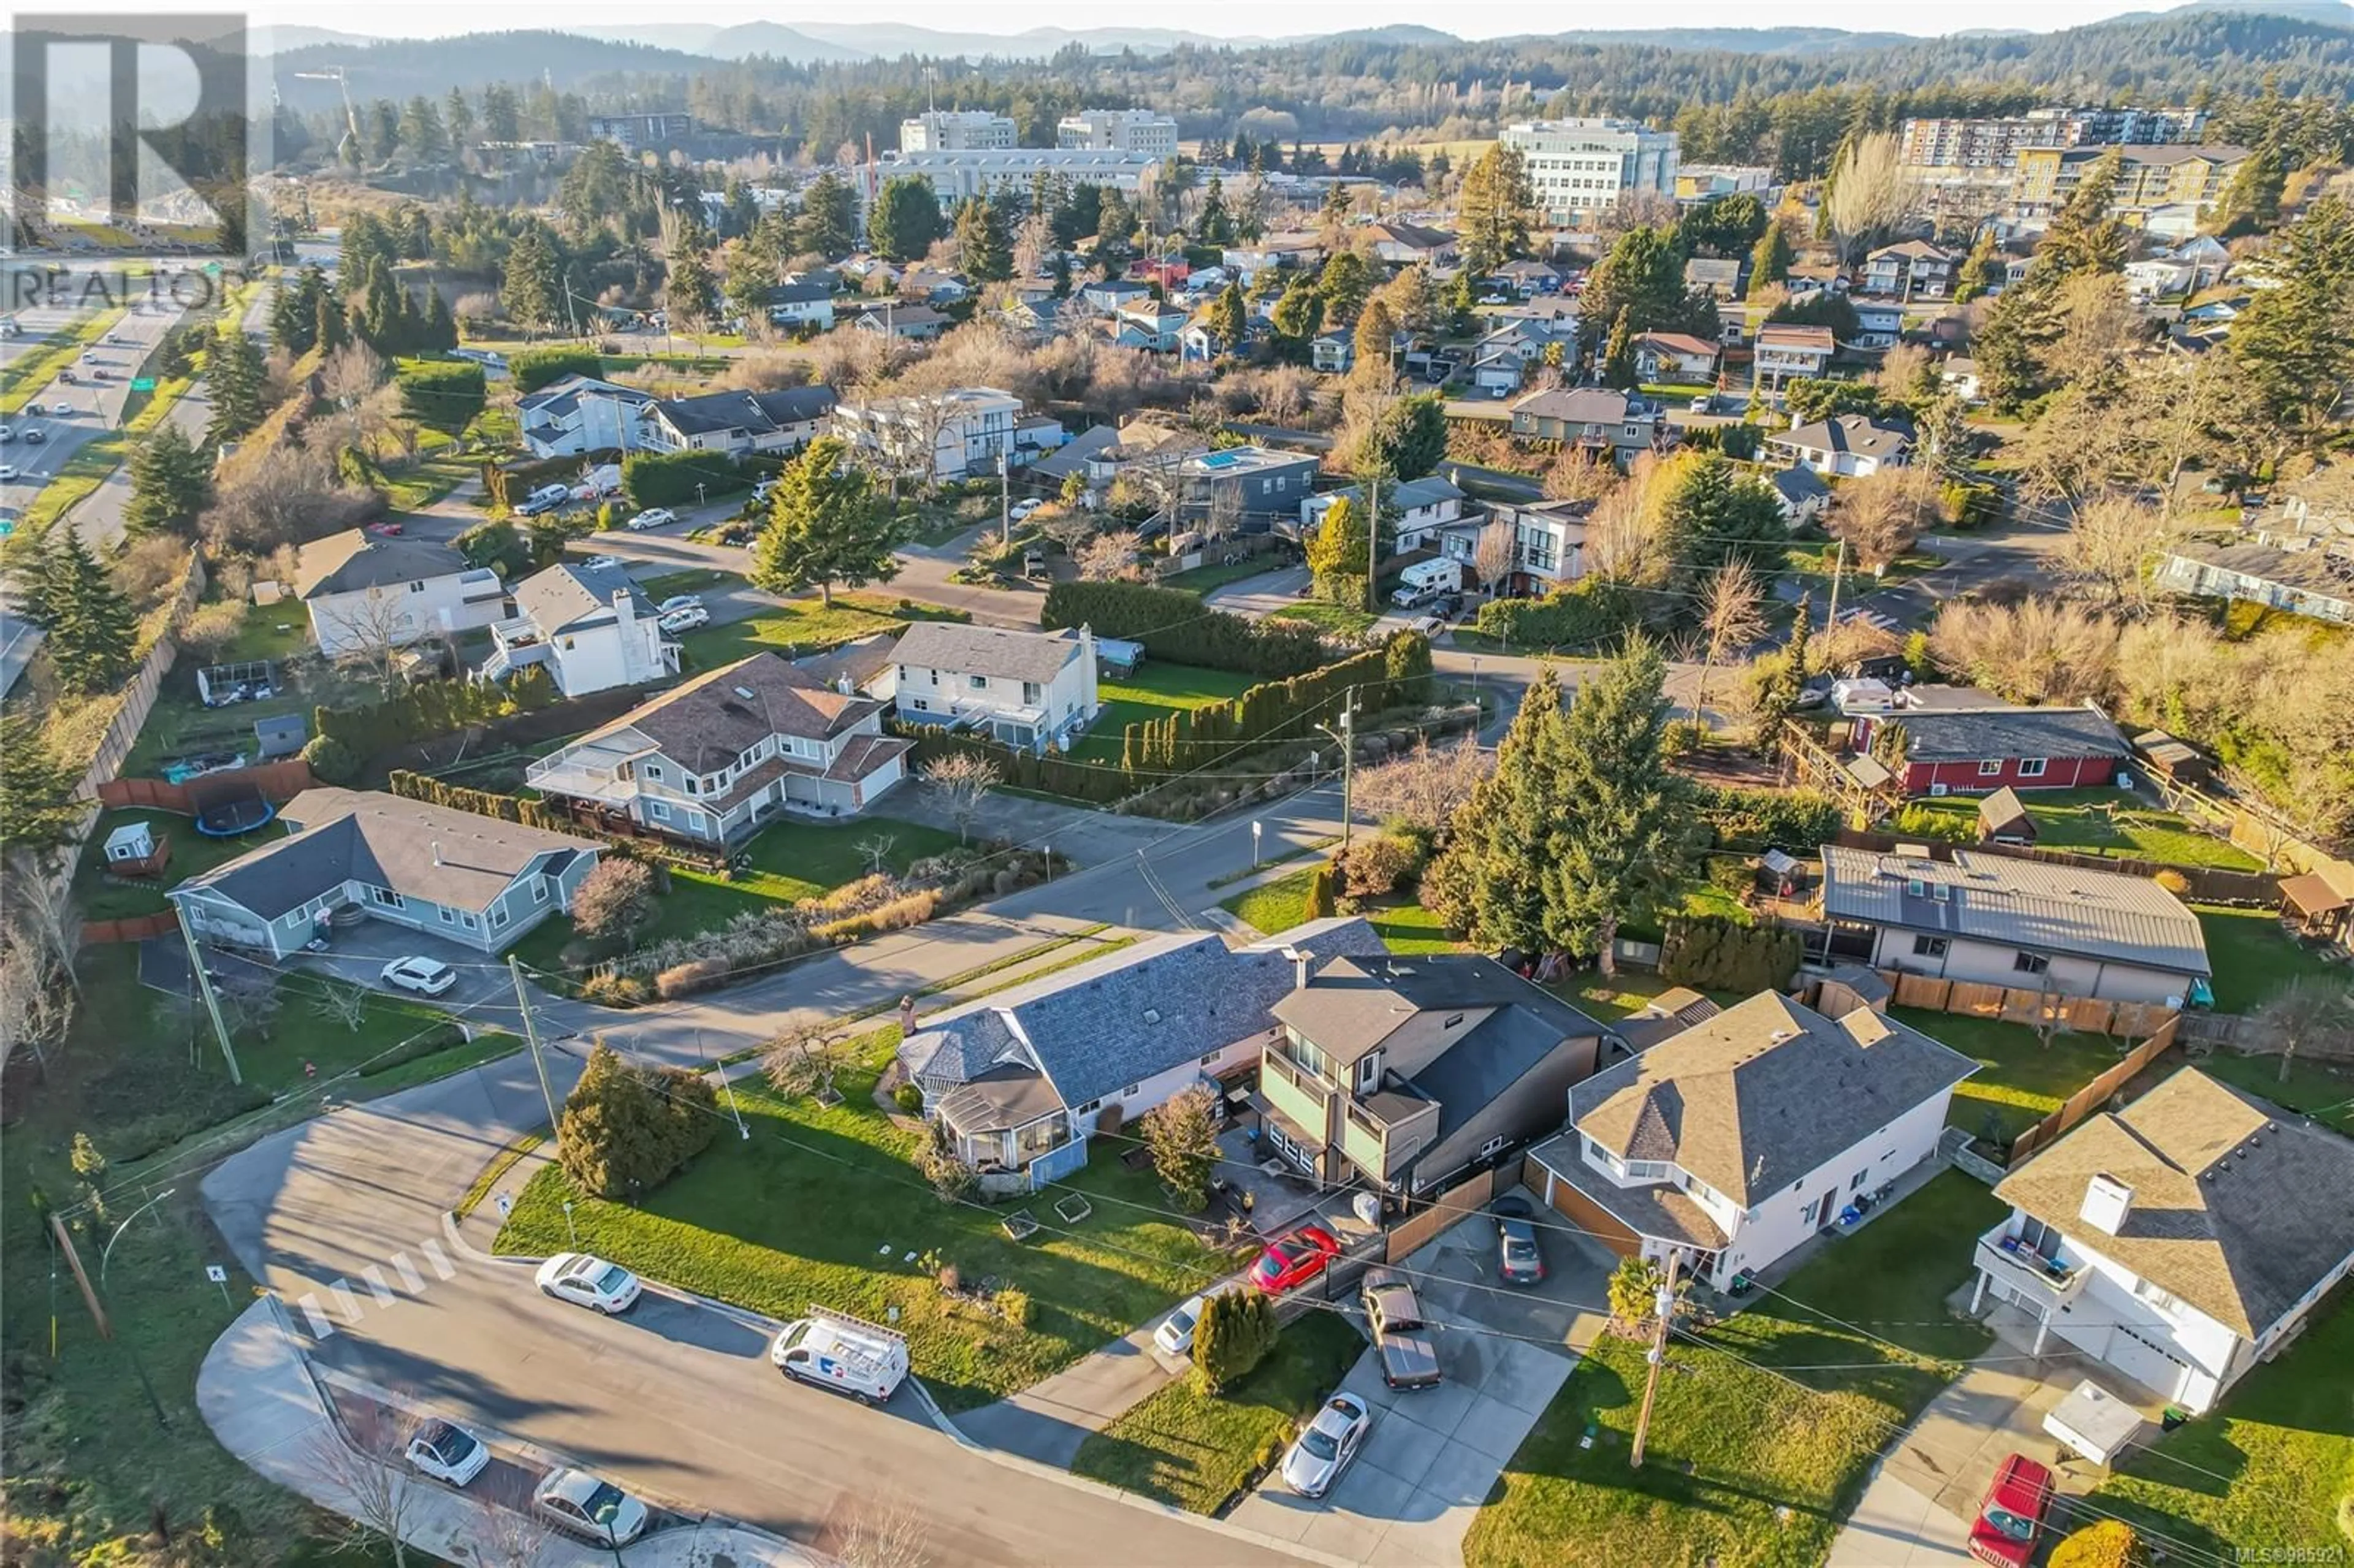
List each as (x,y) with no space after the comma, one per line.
(714,718)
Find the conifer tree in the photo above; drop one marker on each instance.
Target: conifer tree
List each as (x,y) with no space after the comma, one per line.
(170,483)
(827,527)
(234,377)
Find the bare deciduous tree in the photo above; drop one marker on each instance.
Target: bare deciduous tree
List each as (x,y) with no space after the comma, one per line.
(2039,651)
(2110,543)
(961,783)
(1869,193)
(370,631)
(1423,789)
(1493,555)
(614,898)
(1880,515)
(806,1061)
(366,1468)
(878,1533)
(876,849)
(249,996)
(1108,557)
(351,375)
(344,1002)
(1731,615)
(505,1537)
(1069,526)
(2308,1014)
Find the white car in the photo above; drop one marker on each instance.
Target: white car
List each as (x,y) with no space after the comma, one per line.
(1023,509)
(595,1510)
(428,977)
(679,601)
(653,517)
(7,473)
(687,620)
(1176,1335)
(1324,1450)
(7,434)
(60,410)
(586,1281)
(1492,299)
(448,1453)
(600,563)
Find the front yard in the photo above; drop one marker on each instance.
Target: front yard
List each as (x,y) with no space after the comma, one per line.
(1762,1439)
(804,627)
(1333,619)
(1194,1450)
(2102,822)
(1149,694)
(823,1205)
(1405,927)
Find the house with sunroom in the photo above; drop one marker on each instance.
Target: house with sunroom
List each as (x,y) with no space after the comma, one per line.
(2180,1241)
(477,880)
(1027,689)
(1739,1138)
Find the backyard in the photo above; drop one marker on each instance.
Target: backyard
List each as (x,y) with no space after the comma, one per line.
(2252,957)
(1194,1450)
(180,724)
(100,896)
(1765,1437)
(733,1226)
(2020,1079)
(1149,694)
(2104,822)
(804,627)
(788,860)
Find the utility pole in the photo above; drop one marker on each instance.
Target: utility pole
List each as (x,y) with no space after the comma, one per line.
(1838,570)
(1665,1307)
(1004,502)
(1372,549)
(1344,737)
(212,1003)
(531,1036)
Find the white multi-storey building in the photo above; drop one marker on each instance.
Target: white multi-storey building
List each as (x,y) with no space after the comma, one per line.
(966,429)
(954,130)
(1580,168)
(1119,129)
(958,175)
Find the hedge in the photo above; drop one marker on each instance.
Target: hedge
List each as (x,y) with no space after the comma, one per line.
(1799,820)
(1588,612)
(411,786)
(1714,954)
(444,394)
(434,708)
(1972,502)
(533,369)
(668,479)
(1171,624)
(1389,676)
(1019,768)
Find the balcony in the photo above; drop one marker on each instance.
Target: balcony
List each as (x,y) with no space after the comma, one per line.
(2003,1255)
(1295,1093)
(592,771)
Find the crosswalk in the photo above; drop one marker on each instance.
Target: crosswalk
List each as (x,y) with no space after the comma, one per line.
(339,1305)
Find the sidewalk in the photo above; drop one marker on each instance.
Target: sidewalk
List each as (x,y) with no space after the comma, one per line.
(256,1393)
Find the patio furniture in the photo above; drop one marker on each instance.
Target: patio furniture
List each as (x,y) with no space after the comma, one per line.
(1073,1209)
(1020,1224)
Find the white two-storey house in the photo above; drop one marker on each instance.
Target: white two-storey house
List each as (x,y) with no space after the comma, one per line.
(1028,689)
(591,630)
(1736,1138)
(2179,1240)
(711,761)
(366,594)
(944,435)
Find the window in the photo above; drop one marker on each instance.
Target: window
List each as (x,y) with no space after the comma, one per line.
(694,785)
(2144,1290)
(417,588)
(2030,963)
(657,811)
(1029,691)
(466,918)
(654,770)
(978,683)
(1090,1108)
(1209,1059)
(1860,1177)
(1131,1089)
(2032,767)
(1991,769)
(918,705)
(539,890)
(386,896)
(1807,1215)
(1369,1073)
(498,917)
(1490,1150)
(447,915)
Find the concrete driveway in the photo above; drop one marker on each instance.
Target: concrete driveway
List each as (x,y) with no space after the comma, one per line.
(361,951)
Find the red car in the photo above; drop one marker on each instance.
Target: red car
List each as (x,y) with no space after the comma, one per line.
(389,530)
(1294,1259)
(2011,1516)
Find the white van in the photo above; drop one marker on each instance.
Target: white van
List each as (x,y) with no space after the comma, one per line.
(847,1354)
(546,498)
(1427,580)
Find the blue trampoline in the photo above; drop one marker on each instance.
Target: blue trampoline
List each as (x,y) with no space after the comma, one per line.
(229,809)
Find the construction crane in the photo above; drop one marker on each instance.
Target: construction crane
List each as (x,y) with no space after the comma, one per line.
(351,116)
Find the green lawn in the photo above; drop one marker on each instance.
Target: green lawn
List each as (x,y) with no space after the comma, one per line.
(1622,995)
(2322,1091)
(1731,1442)
(417,486)
(791,860)
(101,897)
(1208,579)
(2279,1456)
(1149,694)
(2020,1080)
(1273,907)
(801,628)
(695,580)
(1339,619)
(1405,927)
(740,1225)
(2252,957)
(2106,823)
(1192,1450)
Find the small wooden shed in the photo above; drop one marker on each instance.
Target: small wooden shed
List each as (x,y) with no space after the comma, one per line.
(2003,819)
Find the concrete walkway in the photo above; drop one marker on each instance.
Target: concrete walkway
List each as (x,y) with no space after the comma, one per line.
(257,1394)
(1049,1420)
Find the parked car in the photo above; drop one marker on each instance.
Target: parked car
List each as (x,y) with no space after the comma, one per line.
(1176,1335)
(590,1281)
(653,517)
(679,601)
(860,1360)
(388,530)
(687,620)
(1519,1259)
(1703,403)
(1294,1259)
(600,563)
(546,498)
(1493,298)
(113,340)
(595,1510)
(1325,1448)
(2011,1515)
(1034,564)
(7,473)
(66,376)
(447,1453)
(1401,1338)
(426,977)
(1429,628)
(1023,509)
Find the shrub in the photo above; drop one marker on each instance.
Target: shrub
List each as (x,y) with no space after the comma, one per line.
(908,909)
(1172,625)
(1373,868)
(1320,893)
(2108,1544)
(330,759)
(1014,1305)
(1236,1330)
(625,1129)
(1716,954)
(669,479)
(1970,504)
(441,395)
(1587,612)
(1800,819)
(1108,1120)
(2173,881)
(533,369)
(613,990)
(1922,822)
(686,978)
(908,1098)
(437,707)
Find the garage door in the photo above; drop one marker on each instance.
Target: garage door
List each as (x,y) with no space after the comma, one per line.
(1586,1214)
(2141,1359)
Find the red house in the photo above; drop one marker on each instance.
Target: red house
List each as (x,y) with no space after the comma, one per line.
(1980,750)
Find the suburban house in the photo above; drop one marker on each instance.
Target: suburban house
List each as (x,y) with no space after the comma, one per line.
(1719,279)
(1147,324)
(1259,484)
(1333,353)
(1499,372)
(1970,750)
(1109,296)
(1423,506)
(740,422)
(1993,920)
(366,594)
(1913,270)
(2179,1240)
(1878,324)
(1800,493)
(1548,545)
(934,287)
(1784,351)
(472,879)
(1675,356)
(589,633)
(1527,277)
(1845,446)
(1958,374)
(1074,455)
(2159,277)
(966,430)
(1401,1073)
(1527,334)
(712,759)
(1738,1138)
(1598,419)
(807,305)
(1027,689)
(1022,1080)
(578,414)
(915,322)
(2315,581)
(1197,344)
(1409,244)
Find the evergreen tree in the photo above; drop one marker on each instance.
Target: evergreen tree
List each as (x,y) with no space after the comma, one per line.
(1623,818)
(828,217)
(234,377)
(1374,341)
(1337,553)
(1229,318)
(37,810)
(1116,220)
(1618,358)
(1641,281)
(905,218)
(1343,284)
(2252,203)
(170,483)
(1710,513)
(294,314)
(1299,315)
(92,628)
(1214,225)
(983,247)
(1493,210)
(1981,271)
(439,332)
(1236,1330)
(2294,342)
(690,290)
(827,527)
(532,288)
(1769,261)
(1488,883)
(1407,440)
(329,332)
(459,116)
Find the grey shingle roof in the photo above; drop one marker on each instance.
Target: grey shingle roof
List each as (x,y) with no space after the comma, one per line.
(1855,433)
(1575,406)
(2225,1187)
(1981,733)
(565,596)
(1799,485)
(420,851)
(1764,1093)
(2000,809)
(2104,915)
(757,413)
(1011,655)
(1503,1048)
(354,559)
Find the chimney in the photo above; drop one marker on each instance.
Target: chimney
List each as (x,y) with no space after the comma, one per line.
(907,1015)
(1300,970)
(437,851)
(2107,1201)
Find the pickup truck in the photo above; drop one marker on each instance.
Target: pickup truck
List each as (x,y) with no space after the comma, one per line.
(1401,1339)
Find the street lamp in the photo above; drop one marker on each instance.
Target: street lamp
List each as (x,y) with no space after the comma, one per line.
(1343,737)
(1256,829)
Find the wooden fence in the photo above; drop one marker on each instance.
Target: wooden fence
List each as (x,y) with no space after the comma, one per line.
(138,929)
(1467,1197)
(2207,885)
(2034,1009)
(2245,1035)
(138,696)
(2092,1096)
(280,781)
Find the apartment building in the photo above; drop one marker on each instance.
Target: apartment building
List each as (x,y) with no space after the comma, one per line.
(1995,141)
(2149,177)
(1580,168)
(954,130)
(1119,131)
(959,174)
(637,133)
